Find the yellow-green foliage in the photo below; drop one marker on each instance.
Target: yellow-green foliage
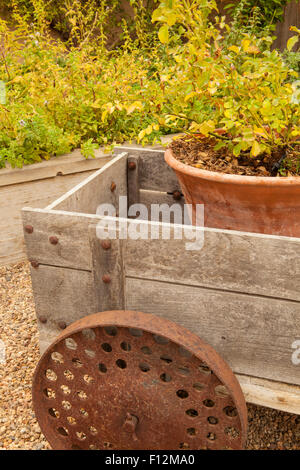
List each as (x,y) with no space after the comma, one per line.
(62,94)
(245,89)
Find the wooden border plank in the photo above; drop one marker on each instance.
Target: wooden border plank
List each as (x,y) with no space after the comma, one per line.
(271,394)
(253,334)
(229,260)
(96,189)
(67,164)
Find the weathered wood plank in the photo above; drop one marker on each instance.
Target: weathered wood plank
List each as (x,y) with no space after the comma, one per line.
(149,198)
(271,394)
(108,271)
(291,18)
(67,164)
(73,247)
(61,295)
(133,184)
(253,334)
(14,197)
(154,173)
(231,261)
(97,189)
(236,261)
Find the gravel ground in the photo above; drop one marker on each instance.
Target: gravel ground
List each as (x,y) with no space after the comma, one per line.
(268,429)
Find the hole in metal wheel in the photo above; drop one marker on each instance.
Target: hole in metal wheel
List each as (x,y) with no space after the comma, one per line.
(182,393)
(146,350)
(111,330)
(121,364)
(144,367)
(53,412)
(102,367)
(208,403)
(161,339)
(191,431)
(125,346)
(165,377)
(63,431)
(192,413)
(230,411)
(106,347)
(89,334)
(135,332)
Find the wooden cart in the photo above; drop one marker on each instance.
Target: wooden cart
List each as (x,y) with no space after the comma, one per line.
(240,292)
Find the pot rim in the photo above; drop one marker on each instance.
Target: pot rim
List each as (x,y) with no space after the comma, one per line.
(228,178)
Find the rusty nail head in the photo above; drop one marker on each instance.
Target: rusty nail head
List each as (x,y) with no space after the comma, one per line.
(106,279)
(177,195)
(34,264)
(130,423)
(28,228)
(106,245)
(132,166)
(62,325)
(113,186)
(43,319)
(53,240)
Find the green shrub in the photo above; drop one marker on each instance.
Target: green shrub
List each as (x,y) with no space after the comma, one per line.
(246,90)
(75,92)
(60,95)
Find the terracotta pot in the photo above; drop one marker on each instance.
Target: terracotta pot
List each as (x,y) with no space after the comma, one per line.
(245,203)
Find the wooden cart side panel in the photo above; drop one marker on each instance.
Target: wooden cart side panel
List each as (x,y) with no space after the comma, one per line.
(97,189)
(231,261)
(253,334)
(73,248)
(61,295)
(154,173)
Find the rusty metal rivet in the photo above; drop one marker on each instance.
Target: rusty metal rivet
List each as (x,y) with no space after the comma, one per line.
(43,319)
(62,325)
(106,245)
(177,195)
(113,187)
(130,423)
(53,240)
(34,264)
(106,279)
(28,228)
(132,166)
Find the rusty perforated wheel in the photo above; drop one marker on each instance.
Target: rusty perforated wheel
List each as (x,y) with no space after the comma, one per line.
(129,380)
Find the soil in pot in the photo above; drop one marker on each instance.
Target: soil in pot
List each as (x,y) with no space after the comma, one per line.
(201,153)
